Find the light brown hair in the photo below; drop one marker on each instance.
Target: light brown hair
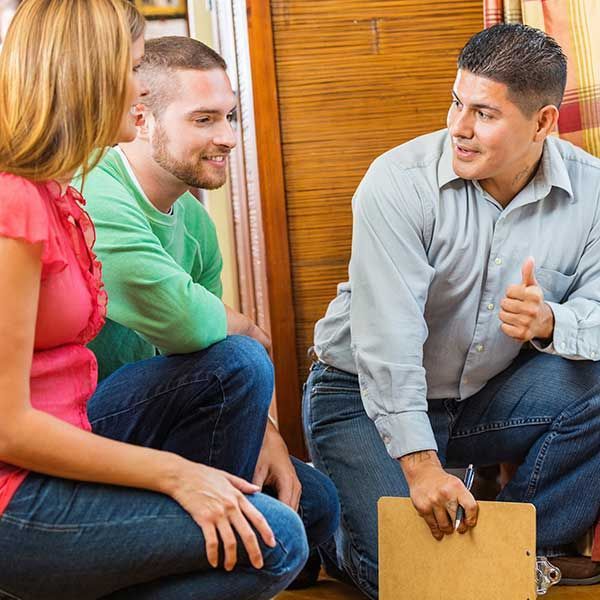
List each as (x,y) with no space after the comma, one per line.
(165,56)
(63,85)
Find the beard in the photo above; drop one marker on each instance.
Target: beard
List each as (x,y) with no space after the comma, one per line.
(192,172)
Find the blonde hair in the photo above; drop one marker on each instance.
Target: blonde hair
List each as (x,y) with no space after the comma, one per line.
(63,85)
(137,23)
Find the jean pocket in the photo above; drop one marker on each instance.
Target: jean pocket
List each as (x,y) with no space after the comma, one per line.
(324,389)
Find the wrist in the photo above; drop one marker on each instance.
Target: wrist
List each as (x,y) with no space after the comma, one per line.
(546,331)
(171,469)
(417,462)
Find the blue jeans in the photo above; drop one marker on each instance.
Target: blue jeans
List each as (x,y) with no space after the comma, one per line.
(542,413)
(62,539)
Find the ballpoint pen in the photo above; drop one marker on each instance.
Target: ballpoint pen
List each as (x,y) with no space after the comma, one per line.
(468,481)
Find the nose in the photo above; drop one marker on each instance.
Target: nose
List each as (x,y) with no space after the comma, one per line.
(143,89)
(460,123)
(225,135)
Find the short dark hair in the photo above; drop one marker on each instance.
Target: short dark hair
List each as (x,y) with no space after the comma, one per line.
(528,61)
(166,55)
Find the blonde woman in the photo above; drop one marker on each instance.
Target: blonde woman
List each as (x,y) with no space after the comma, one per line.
(83,516)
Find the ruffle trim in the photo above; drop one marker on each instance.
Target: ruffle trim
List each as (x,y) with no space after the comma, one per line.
(70,205)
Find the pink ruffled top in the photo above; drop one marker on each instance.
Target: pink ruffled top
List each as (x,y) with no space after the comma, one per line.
(71,305)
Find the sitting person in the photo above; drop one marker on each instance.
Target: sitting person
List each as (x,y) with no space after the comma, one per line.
(162,269)
(83,516)
(469,329)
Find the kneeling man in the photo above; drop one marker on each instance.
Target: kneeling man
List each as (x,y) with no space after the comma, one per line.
(469,329)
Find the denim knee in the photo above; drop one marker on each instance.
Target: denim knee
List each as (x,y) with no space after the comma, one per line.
(290,554)
(249,363)
(328,510)
(319,503)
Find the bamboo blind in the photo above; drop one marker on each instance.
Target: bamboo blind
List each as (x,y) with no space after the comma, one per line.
(355,78)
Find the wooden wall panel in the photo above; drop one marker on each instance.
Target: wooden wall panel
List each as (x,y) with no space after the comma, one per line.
(355,78)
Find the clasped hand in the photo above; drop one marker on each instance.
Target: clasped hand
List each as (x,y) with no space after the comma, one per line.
(436,494)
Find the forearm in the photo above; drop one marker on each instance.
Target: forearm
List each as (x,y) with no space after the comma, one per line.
(40,442)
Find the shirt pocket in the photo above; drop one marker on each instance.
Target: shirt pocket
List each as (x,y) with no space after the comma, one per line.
(554,283)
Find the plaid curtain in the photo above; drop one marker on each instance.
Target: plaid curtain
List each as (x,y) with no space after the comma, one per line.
(575,25)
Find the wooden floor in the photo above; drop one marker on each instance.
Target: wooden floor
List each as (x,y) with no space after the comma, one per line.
(327,589)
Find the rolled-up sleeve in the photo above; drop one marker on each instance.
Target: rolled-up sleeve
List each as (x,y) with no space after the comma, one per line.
(577,320)
(390,278)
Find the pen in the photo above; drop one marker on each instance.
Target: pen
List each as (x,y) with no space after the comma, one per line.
(468,481)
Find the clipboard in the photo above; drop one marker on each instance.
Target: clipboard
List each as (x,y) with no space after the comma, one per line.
(495,560)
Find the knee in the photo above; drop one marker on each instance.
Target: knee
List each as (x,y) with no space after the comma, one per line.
(249,366)
(320,507)
(290,554)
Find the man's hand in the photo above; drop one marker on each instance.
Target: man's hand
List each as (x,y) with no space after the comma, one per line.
(274,468)
(239,324)
(524,313)
(436,494)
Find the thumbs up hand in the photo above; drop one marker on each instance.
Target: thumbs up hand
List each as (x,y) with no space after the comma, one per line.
(524,314)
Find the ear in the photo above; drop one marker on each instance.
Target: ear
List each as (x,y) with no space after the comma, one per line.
(547,119)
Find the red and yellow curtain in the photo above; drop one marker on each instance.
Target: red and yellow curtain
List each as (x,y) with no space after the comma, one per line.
(575,25)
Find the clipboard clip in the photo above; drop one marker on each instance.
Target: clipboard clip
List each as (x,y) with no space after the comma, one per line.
(546,575)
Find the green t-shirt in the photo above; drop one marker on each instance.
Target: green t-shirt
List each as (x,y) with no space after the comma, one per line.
(162,272)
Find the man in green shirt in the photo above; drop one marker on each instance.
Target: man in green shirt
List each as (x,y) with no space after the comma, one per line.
(162,270)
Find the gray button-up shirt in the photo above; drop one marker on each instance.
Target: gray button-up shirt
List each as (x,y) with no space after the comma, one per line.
(432,256)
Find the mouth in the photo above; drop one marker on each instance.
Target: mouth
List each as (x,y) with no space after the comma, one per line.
(464,152)
(217,160)
(137,113)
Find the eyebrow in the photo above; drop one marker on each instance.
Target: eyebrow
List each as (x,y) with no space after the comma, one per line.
(478,105)
(209,111)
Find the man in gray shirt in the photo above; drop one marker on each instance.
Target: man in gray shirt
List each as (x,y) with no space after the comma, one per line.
(469,329)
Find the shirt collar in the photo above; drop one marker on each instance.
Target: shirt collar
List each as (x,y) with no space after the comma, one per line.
(553,168)
(552,171)
(445,172)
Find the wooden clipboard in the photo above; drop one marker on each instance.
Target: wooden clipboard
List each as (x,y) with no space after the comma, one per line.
(496,560)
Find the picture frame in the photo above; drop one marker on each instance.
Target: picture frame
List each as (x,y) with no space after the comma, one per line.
(161,9)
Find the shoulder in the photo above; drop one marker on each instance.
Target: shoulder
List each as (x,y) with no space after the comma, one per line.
(12,186)
(24,199)
(109,192)
(417,155)
(575,158)
(109,178)
(28,212)
(406,175)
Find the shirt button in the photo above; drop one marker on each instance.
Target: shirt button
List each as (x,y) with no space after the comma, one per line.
(562,346)
(465,380)
(593,354)
(498,260)
(386,438)
(479,348)
(490,306)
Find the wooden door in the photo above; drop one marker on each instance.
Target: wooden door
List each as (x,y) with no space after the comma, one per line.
(351,79)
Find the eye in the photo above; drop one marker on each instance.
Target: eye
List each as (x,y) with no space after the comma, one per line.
(455,103)
(483,116)
(232,116)
(202,120)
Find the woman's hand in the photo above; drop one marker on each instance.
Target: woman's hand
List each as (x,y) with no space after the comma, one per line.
(215,500)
